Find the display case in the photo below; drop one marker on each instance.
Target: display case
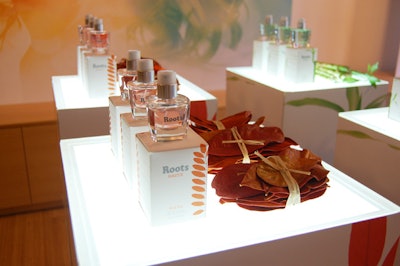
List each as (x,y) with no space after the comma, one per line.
(82,116)
(368,149)
(110,228)
(307,112)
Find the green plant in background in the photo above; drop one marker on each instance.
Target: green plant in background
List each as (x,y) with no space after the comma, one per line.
(362,135)
(192,28)
(339,73)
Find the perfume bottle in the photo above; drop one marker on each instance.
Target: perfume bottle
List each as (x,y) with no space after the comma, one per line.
(269,28)
(141,88)
(301,35)
(168,111)
(129,73)
(87,30)
(83,28)
(284,33)
(99,38)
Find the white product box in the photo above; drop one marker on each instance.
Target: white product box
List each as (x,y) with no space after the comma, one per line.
(368,149)
(117,107)
(300,64)
(349,225)
(276,60)
(129,128)
(260,54)
(394,107)
(304,111)
(100,75)
(172,178)
(79,55)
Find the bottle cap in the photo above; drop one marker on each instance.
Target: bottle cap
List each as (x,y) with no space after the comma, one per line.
(269,19)
(166,84)
(131,61)
(284,21)
(145,65)
(133,54)
(145,70)
(301,24)
(166,77)
(87,19)
(98,24)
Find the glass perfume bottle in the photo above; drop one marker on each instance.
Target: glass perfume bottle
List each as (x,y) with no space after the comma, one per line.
(129,73)
(141,88)
(269,28)
(284,32)
(83,28)
(168,112)
(301,35)
(99,38)
(87,30)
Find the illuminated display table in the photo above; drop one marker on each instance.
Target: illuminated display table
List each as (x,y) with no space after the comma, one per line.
(109,227)
(82,116)
(368,149)
(300,109)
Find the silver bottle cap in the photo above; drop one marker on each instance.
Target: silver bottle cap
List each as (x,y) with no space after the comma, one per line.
(87,19)
(301,24)
(145,70)
(269,20)
(131,61)
(284,21)
(98,24)
(166,84)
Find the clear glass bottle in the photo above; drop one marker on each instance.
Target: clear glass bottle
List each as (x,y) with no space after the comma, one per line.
(99,38)
(168,112)
(129,73)
(301,35)
(88,30)
(83,28)
(269,28)
(141,88)
(284,32)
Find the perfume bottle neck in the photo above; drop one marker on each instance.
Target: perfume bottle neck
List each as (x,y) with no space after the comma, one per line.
(168,91)
(145,76)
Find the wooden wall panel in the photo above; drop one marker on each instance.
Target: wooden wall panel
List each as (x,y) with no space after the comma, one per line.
(44,163)
(14,186)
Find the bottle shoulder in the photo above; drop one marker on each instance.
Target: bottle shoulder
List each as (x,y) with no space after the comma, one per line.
(179,100)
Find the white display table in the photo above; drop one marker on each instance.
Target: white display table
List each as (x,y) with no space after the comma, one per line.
(297,108)
(82,116)
(368,149)
(110,228)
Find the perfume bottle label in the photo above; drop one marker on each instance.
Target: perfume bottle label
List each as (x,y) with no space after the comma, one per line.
(171,118)
(138,96)
(168,123)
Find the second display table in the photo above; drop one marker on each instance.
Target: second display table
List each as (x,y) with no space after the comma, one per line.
(307,112)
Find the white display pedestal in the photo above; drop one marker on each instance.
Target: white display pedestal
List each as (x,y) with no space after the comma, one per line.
(82,116)
(368,149)
(311,124)
(109,227)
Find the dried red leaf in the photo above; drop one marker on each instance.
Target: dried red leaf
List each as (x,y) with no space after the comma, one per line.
(227,182)
(266,135)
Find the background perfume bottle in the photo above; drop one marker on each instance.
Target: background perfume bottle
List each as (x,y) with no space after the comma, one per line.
(284,33)
(82,29)
(99,38)
(270,28)
(168,112)
(301,35)
(87,30)
(129,73)
(141,88)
